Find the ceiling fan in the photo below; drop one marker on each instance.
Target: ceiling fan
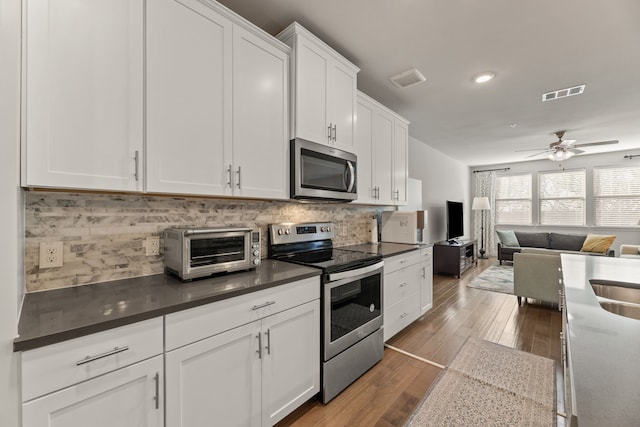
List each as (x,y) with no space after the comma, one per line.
(562,149)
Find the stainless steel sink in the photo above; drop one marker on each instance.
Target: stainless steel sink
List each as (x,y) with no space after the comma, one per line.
(619,298)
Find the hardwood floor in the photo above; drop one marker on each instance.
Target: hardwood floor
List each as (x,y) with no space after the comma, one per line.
(389,392)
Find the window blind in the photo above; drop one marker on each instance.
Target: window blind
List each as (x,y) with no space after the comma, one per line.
(616,196)
(561,196)
(513,199)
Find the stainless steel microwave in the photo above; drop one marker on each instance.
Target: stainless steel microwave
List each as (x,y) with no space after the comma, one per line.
(191,253)
(321,172)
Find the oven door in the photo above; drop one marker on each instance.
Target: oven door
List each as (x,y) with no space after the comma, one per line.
(322,172)
(352,307)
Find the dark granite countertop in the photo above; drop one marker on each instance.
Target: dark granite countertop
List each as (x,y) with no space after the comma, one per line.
(57,315)
(384,248)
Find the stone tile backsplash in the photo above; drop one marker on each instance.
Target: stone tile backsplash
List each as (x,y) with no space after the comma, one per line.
(104,234)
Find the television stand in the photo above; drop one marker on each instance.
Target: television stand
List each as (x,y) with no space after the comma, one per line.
(454,258)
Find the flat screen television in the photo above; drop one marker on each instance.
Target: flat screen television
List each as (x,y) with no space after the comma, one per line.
(455,220)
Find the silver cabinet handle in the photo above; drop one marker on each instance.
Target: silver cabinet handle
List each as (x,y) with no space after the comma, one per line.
(378,193)
(156,378)
(424,272)
(259,350)
(239,174)
(335,133)
(136,159)
(403,284)
(266,304)
(330,128)
(268,346)
(230,175)
(89,359)
(403,315)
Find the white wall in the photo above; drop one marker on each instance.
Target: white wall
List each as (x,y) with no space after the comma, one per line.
(629,235)
(443,178)
(10,213)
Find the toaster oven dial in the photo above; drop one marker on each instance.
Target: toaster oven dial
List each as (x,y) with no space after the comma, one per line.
(256,252)
(256,261)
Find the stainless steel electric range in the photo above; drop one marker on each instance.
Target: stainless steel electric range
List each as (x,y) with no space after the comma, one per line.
(351,300)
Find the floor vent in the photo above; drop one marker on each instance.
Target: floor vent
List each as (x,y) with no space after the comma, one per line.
(408,78)
(563,93)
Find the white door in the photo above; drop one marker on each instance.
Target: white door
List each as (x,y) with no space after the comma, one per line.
(83,94)
(291,360)
(189,66)
(364,146)
(260,117)
(400,162)
(383,156)
(312,91)
(343,107)
(128,397)
(215,381)
(426,280)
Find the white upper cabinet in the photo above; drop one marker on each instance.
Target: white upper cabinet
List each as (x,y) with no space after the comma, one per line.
(217,103)
(324,87)
(260,117)
(83,94)
(189,123)
(382,147)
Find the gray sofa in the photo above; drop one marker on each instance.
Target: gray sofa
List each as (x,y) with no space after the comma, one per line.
(558,242)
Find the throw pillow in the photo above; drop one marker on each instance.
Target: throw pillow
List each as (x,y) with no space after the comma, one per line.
(508,238)
(597,243)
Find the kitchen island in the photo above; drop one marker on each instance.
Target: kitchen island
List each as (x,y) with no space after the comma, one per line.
(604,348)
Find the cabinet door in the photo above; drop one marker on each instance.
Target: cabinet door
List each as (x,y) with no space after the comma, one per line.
(83,94)
(400,162)
(312,91)
(426,280)
(130,396)
(383,156)
(215,381)
(260,111)
(291,360)
(343,106)
(364,151)
(189,65)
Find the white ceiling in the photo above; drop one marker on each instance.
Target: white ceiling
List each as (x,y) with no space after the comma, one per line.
(534,46)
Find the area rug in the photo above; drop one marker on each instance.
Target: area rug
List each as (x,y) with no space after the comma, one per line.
(488,384)
(497,278)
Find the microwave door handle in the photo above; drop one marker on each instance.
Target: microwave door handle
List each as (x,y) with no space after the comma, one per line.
(352,176)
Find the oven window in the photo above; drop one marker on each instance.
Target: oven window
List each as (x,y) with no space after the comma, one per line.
(354,304)
(323,172)
(216,251)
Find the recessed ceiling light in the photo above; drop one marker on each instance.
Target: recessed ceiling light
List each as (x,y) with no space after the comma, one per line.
(512,125)
(484,77)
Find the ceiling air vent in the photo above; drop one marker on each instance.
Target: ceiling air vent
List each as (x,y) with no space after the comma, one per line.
(563,93)
(408,78)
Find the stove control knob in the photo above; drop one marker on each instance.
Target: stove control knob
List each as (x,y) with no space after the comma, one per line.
(328,229)
(256,252)
(280,232)
(322,229)
(287,231)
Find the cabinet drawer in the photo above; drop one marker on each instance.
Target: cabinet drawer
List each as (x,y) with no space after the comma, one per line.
(400,284)
(60,365)
(400,315)
(192,325)
(400,261)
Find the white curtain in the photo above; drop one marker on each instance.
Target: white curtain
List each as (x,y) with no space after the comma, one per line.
(485,187)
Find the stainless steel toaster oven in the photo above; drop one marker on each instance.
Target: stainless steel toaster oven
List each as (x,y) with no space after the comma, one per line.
(191,253)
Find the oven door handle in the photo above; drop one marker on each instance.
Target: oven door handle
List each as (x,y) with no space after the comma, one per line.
(353,273)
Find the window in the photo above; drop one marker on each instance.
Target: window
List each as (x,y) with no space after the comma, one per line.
(616,196)
(513,199)
(562,197)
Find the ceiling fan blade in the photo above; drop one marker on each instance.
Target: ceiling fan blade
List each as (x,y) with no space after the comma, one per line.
(537,154)
(589,144)
(532,149)
(575,150)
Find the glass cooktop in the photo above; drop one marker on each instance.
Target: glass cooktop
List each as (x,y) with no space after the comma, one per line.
(332,260)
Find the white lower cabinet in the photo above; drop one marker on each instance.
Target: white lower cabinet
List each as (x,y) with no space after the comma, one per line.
(130,396)
(111,378)
(402,298)
(253,374)
(426,279)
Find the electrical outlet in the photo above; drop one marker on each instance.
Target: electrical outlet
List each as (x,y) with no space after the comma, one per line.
(51,254)
(153,245)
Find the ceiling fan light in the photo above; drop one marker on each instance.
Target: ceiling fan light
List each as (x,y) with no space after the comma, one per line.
(560,155)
